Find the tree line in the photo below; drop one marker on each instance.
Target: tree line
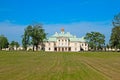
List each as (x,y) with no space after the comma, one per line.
(35,34)
(96,40)
(4,43)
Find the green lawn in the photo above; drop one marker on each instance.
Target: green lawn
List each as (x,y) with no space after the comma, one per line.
(20,65)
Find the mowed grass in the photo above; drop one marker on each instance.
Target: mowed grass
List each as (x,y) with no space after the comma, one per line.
(21,65)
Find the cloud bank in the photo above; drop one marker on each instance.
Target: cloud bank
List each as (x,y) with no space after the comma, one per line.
(12,31)
(81,28)
(15,31)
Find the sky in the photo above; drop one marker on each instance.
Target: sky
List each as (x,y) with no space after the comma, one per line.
(76,16)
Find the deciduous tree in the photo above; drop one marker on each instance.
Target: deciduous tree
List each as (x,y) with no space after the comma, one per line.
(115,35)
(26,37)
(3,42)
(14,44)
(95,40)
(34,34)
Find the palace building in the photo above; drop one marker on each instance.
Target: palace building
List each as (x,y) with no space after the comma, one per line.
(64,41)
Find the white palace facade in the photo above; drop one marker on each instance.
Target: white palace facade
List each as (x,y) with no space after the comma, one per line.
(64,41)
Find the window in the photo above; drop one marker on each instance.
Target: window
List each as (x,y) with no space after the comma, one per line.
(75,49)
(69,49)
(85,44)
(62,49)
(82,44)
(55,49)
(49,49)
(54,44)
(65,40)
(66,49)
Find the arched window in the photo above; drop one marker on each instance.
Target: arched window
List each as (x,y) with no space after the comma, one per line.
(65,40)
(82,44)
(85,44)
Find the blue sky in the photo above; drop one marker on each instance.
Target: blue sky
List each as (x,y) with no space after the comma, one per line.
(76,16)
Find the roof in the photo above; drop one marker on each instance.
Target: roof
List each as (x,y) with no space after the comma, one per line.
(66,35)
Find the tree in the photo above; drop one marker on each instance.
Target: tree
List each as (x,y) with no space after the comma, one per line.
(26,37)
(14,44)
(3,42)
(35,35)
(38,35)
(116,20)
(95,40)
(115,35)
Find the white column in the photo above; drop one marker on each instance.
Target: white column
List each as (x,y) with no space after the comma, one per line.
(64,49)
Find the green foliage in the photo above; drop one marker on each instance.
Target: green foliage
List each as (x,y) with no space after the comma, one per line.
(14,44)
(115,35)
(34,34)
(3,42)
(26,37)
(116,20)
(95,40)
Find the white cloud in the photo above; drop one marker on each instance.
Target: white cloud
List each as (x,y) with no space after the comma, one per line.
(81,28)
(9,28)
(14,31)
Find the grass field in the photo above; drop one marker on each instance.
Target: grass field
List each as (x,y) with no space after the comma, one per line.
(59,66)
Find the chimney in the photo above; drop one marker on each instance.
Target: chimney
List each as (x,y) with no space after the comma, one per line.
(62,30)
